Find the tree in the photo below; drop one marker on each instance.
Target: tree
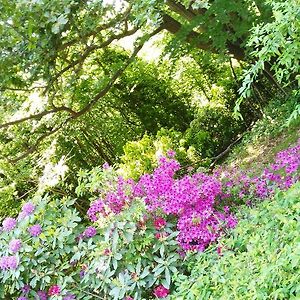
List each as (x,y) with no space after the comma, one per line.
(54,46)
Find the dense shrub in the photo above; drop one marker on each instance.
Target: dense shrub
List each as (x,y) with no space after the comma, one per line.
(213,130)
(140,235)
(36,249)
(259,261)
(142,156)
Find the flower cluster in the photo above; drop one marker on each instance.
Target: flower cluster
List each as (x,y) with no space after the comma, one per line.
(90,232)
(35,230)
(54,290)
(279,175)
(9,224)
(27,209)
(161,292)
(113,202)
(190,199)
(15,245)
(8,262)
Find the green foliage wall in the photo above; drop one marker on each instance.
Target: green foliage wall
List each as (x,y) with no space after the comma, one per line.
(213,130)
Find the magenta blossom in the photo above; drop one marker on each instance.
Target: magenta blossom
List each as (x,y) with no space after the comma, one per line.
(159,223)
(35,230)
(9,224)
(15,245)
(54,290)
(171,153)
(161,292)
(95,208)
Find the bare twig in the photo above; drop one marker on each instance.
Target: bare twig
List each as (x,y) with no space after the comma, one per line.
(226,151)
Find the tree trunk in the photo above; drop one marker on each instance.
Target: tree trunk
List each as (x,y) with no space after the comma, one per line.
(173,26)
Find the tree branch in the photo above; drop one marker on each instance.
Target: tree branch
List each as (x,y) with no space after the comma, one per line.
(122,18)
(88,51)
(117,74)
(7,88)
(34,147)
(39,116)
(173,26)
(89,106)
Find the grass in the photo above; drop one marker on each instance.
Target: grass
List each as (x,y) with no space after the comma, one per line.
(267,137)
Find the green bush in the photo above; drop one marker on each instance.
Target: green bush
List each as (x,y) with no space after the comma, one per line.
(141,156)
(213,130)
(259,261)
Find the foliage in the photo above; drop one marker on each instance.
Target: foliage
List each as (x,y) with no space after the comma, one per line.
(276,46)
(142,235)
(44,250)
(67,81)
(132,228)
(213,130)
(142,156)
(260,259)
(69,92)
(269,130)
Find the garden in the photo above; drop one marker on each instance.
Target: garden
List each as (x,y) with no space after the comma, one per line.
(131,175)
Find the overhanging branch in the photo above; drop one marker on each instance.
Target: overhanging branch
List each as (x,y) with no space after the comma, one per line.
(89,106)
(38,116)
(88,51)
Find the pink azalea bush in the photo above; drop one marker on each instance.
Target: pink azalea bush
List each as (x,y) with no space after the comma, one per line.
(138,234)
(244,187)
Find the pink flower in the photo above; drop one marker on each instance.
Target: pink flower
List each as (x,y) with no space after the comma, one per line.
(9,224)
(105,166)
(54,290)
(35,230)
(15,245)
(106,252)
(159,223)
(28,208)
(161,292)
(171,153)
